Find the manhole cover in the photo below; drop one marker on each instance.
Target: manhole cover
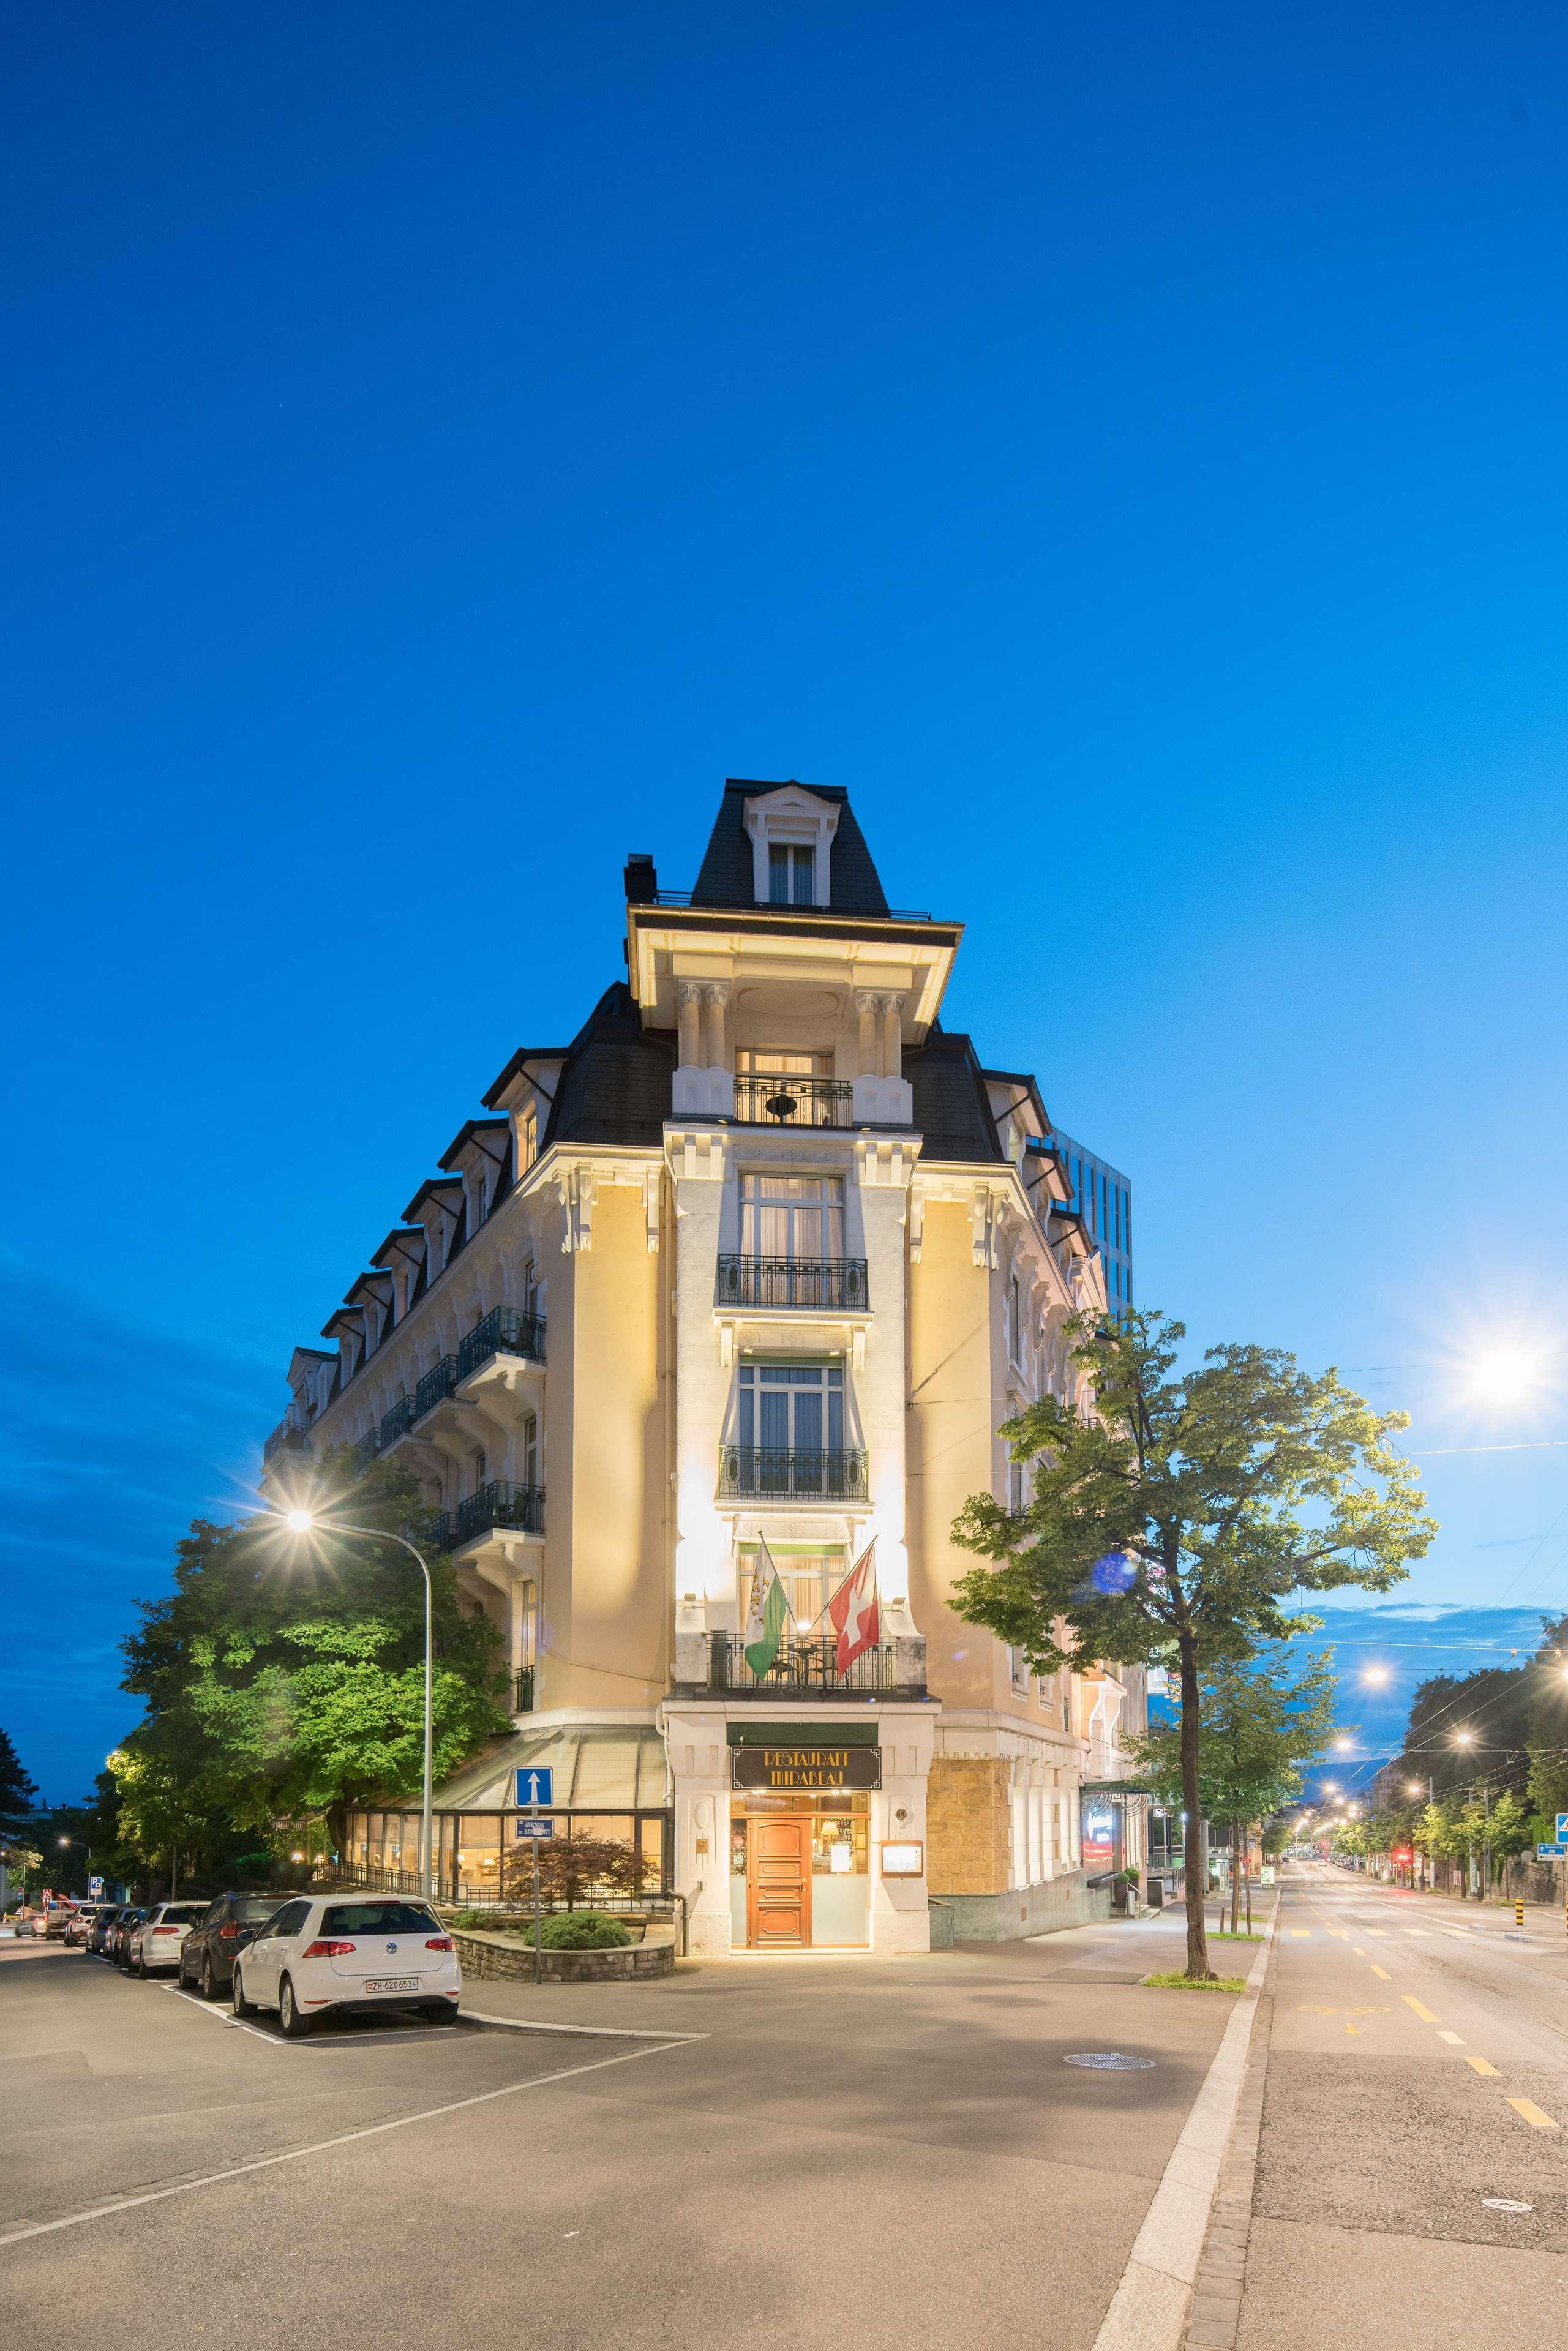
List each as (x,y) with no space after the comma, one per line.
(1506,2204)
(1111,2060)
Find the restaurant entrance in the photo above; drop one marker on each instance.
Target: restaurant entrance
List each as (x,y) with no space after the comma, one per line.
(800,1872)
(778,1884)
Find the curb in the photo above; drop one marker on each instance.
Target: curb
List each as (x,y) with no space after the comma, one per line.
(1152,2305)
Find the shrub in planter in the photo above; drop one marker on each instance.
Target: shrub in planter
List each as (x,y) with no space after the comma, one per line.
(583,1930)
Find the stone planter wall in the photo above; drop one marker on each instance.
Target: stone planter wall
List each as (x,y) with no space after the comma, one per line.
(490,1957)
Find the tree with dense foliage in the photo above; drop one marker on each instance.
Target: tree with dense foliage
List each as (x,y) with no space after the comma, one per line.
(1172,1519)
(1263,1724)
(574,1867)
(284,1677)
(18,1796)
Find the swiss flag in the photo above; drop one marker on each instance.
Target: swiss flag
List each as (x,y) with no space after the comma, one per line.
(853,1612)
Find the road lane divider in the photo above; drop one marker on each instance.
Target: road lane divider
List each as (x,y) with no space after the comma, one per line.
(1483,2067)
(1452,2039)
(1425,2014)
(1381,1971)
(1531,2114)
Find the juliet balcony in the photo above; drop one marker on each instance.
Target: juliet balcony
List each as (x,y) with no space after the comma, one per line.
(775,1473)
(764,1098)
(520,1508)
(825,1284)
(803,1669)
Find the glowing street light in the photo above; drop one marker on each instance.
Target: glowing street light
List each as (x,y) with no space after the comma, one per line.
(1464,1737)
(1375,1673)
(1344,1746)
(304,1522)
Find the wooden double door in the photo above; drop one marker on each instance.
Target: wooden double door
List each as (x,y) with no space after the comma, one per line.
(778,1882)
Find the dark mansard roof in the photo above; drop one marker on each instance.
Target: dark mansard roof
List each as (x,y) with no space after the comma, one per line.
(615,1086)
(952,1109)
(728,873)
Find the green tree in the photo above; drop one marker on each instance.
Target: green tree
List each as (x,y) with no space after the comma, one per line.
(1174,1521)
(1260,1727)
(285,1679)
(18,1795)
(1510,1830)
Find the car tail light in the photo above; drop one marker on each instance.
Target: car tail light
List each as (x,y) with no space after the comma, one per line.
(228,1934)
(439,1942)
(165,1930)
(324,1950)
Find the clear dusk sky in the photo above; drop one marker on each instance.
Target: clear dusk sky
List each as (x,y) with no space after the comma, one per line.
(1124,449)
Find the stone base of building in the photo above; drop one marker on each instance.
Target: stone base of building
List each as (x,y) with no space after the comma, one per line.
(1022,1910)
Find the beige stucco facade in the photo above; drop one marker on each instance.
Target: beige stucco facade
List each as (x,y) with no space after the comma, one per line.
(591,1345)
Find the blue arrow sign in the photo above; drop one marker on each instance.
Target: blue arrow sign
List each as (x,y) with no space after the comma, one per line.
(1550,1852)
(1562,1828)
(535,1786)
(529,1827)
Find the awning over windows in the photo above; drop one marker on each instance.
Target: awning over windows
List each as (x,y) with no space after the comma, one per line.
(599,1768)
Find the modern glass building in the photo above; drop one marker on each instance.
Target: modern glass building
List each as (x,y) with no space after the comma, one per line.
(1103,1198)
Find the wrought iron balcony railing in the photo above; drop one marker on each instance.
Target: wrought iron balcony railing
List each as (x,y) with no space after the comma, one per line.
(292,1435)
(504,1332)
(366,1451)
(762,1098)
(523,1690)
(810,1669)
(822,1282)
(501,1504)
(760,1473)
(435,1386)
(393,1423)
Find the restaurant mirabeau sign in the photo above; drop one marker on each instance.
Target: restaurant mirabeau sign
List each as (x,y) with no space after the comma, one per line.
(790,1768)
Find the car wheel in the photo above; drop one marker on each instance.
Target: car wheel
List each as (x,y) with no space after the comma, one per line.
(207,1988)
(296,2024)
(142,1969)
(242,2007)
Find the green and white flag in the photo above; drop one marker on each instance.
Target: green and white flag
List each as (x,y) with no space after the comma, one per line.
(767,1614)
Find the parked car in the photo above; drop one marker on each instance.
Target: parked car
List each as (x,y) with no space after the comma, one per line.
(52,1922)
(102,1928)
(208,1953)
(78,1926)
(119,1936)
(322,1955)
(155,1939)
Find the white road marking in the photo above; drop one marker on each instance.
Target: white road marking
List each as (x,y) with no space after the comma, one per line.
(593,2032)
(342,2138)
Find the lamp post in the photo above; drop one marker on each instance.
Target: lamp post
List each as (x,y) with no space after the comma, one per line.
(302,1522)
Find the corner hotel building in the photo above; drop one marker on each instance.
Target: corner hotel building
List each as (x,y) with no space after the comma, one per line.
(763,1252)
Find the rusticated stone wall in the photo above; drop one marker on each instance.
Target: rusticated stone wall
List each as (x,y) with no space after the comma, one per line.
(967,1823)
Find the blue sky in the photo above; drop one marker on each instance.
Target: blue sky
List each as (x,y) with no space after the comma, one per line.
(1127,453)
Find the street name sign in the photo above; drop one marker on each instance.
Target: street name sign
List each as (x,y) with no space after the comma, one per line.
(1550,1852)
(536,1787)
(532,1828)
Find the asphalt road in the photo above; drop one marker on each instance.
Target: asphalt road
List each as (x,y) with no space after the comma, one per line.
(892,2150)
(1416,2067)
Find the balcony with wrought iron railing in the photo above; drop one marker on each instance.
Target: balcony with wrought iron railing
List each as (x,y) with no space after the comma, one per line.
(292,1435)
(777,1473)
(523,1690)
(397,1422)
(765,1098)
(435,1386)
(501,1503)
(504,1332)
(835,1284)
(809,1668)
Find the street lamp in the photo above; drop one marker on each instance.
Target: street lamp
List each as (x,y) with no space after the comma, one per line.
(1375,1673)
(1464,1737)
(304,1522)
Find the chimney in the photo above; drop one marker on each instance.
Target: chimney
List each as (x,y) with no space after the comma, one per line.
(642,881)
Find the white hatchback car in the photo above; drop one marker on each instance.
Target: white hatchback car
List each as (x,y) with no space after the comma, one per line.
(331,1953)
(155,1942)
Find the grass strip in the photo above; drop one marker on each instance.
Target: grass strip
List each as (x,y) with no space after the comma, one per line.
(1176,1982)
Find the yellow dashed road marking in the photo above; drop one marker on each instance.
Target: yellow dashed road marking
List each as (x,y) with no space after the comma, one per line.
(1425,2014)
(1303,1931)
(1378,1930)
(1452,2039)
(1483,2067)
(1381,1971)
(1358,1949)
(1533,2115)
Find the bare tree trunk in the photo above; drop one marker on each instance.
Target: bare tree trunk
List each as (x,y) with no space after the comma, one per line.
(1197,1927)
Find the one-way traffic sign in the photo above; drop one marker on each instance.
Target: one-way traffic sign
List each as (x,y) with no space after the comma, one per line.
(535,1786)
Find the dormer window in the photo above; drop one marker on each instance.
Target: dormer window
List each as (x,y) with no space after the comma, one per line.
(791,835)
(792,874)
